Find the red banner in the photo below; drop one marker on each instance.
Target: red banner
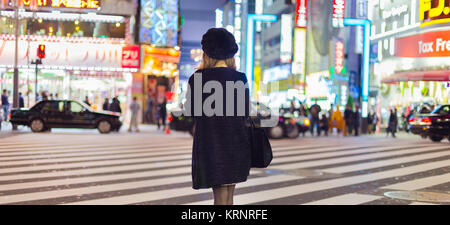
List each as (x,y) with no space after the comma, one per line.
(431,44)
(130,56)
(300,16)
(338,13)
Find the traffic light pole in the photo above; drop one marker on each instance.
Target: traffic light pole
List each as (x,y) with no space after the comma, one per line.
(36,63)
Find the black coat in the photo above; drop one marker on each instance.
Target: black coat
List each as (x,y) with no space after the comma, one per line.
(221,148)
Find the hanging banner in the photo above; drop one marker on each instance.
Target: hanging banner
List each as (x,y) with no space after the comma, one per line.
(286,38)
(301,13)
(338,13)
(339,57)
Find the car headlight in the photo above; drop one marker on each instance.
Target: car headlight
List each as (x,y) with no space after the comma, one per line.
(306,121)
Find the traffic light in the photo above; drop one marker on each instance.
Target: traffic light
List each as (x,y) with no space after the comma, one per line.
(41,52)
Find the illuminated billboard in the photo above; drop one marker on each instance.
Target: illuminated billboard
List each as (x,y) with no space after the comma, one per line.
(75,4)
(434,12)
(159,22)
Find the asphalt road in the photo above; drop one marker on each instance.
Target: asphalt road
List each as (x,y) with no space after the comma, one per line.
(151,167)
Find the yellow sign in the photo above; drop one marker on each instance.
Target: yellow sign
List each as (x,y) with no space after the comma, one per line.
(76,4)
(433,12)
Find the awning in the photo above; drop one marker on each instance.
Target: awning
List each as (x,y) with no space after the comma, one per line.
(438,75)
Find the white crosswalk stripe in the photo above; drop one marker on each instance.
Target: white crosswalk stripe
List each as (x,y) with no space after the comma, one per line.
(89,168)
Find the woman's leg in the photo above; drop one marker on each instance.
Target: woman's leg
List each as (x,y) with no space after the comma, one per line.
(220,195)
(230,194)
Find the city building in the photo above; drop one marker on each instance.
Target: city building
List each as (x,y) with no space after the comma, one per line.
(158,31)
(410,50)
(84,48)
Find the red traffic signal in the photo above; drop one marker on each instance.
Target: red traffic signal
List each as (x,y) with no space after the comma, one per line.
(41,52)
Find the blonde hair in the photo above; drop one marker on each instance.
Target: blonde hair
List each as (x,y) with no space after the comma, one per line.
(208,62)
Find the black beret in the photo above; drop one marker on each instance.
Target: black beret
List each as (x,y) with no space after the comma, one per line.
(219,43)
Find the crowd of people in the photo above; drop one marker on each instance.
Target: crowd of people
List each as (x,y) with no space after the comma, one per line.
(347,124)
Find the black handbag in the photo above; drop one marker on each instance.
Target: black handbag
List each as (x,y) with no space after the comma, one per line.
(261,151)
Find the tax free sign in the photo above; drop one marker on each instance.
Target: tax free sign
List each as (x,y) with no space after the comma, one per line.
(430,44)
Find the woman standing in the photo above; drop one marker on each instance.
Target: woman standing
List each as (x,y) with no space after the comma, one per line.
(393,123)
(221,148)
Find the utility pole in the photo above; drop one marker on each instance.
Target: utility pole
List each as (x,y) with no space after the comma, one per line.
(36,63)
(16,58)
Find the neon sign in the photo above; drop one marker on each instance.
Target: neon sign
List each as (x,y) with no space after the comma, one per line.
(434,12)
(338,13)
(77,4)
(300,17)
(339,61)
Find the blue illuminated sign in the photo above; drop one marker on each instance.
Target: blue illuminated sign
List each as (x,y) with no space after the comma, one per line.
(366,60)
(249,56)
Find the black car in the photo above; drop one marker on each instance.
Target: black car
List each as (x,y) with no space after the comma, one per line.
(48,114)
(435,125)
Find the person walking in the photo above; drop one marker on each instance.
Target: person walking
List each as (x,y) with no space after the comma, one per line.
(393,122)
(162,114)
(348,118)
(315,110)
(221,147)
(337,121)
(106,104)
(21,101)
(324,124)
(134,109)
(148,112)
(115,106)
(355,120)
(5,105)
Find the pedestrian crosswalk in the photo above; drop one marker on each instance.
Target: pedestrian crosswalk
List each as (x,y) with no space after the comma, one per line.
(154,168)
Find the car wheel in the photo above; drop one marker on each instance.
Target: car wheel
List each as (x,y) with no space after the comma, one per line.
(436,138)
(37,125)
(292,131)
(104,127)
(276,132)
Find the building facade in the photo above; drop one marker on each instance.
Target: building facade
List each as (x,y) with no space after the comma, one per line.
(89,49)
(409,48)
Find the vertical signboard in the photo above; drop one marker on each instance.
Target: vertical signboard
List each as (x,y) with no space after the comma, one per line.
(339,57)
(300,15)
(338,13)
(361,14)
(286,38)
(219,18)
(299,58)
(298,65)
